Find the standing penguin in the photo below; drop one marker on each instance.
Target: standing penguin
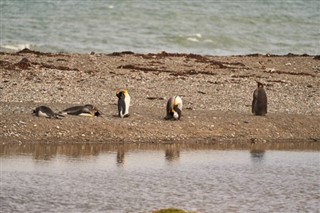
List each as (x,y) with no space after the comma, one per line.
(82,110)
(44,111)
(123,103)
(174,108)
(259,102)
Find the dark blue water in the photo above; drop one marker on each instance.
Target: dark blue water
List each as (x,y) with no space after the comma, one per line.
(212,27)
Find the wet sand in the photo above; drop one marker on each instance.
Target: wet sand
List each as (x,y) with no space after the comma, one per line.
(216,90)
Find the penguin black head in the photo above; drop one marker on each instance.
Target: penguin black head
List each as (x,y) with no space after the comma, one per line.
(121,93)
(176,113)
(92,109)
(260,85)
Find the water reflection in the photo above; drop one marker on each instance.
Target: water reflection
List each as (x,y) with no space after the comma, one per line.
(144,177)
(43,152)
(172,152)
(257,154)
(121,156)
(257,151)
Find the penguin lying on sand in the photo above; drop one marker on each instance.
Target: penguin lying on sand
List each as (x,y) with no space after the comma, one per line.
(123,103)
(174,108)
(259,102)
(44,111)
(82,110)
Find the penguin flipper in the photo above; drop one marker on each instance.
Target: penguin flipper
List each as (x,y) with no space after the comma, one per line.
(75,110)
(121,107)
(254,100)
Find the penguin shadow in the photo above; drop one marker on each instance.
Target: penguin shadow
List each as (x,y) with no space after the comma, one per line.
(118,116)
(171,118)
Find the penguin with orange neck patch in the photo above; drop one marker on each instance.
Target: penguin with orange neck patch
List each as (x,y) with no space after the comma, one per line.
(174,108)
(87,110)
(259,102)
(123,103)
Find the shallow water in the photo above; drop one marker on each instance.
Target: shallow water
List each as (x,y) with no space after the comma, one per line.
(205,27)
(142,178)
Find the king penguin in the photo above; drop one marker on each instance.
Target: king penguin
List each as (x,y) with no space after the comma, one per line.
(123,103)
(44,111)
(259,102)
(87,110)
(174,108)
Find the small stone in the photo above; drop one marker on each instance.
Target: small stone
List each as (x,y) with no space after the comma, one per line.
(270,69)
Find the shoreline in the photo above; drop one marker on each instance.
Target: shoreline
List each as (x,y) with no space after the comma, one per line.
(216,91)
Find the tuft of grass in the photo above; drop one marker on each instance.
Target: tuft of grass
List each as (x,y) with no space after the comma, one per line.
(170,210)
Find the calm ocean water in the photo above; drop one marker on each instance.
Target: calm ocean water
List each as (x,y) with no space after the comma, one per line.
(215,27)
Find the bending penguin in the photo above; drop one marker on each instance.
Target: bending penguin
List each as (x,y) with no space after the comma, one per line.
(259,102)
(82,110)
(44,111)
(123,103)
(174,108)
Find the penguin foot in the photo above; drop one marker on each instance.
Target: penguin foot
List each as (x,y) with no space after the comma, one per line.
(59,116)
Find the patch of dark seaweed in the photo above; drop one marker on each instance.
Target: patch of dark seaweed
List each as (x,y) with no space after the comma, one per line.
(290,73)
(28,51)
(50,66)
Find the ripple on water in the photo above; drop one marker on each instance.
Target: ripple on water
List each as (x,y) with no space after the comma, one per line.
(126,179)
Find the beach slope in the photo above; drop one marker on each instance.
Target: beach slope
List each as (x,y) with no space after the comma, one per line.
(216,91)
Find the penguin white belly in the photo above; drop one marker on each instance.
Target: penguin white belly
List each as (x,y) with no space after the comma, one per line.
(42,114)
(86,115)
(127,101)
(178,102)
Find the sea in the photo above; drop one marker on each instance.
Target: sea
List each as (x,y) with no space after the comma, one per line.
(207,27)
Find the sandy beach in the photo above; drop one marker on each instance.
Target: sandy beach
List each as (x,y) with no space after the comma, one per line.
(216,91)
